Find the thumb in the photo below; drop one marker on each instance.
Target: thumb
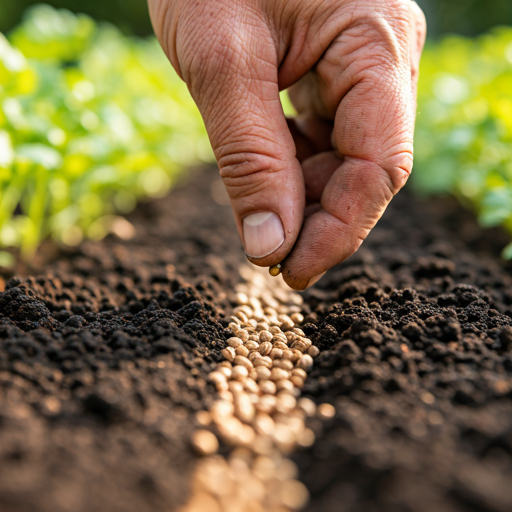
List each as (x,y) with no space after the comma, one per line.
(233,79)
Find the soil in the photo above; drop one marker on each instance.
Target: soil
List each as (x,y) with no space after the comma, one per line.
(104,357)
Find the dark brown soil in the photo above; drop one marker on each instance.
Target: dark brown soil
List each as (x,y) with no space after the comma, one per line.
(416,339)
(103,362)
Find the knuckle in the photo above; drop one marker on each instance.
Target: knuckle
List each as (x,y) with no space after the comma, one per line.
(246,173)
(398,167)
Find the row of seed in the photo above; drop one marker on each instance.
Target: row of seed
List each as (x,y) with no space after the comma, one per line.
(258,412)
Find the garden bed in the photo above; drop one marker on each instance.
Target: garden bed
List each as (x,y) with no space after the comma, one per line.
(104,359)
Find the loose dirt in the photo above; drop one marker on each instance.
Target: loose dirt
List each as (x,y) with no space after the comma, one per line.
(104,358)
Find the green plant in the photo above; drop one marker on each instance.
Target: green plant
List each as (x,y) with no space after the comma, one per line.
(90,121)
(464,126)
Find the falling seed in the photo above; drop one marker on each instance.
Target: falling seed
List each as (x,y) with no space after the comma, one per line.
(275,270)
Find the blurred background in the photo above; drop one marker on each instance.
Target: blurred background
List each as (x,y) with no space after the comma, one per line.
(93,119)
(467,17)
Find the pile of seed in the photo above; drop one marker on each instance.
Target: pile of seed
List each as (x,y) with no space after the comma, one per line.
(258,415)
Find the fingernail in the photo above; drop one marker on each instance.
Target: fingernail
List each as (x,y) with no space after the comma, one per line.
(313,280)
(263,234)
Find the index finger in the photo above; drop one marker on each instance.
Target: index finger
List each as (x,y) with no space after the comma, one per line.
(365,79)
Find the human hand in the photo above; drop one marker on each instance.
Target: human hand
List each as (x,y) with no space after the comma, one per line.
(306,191)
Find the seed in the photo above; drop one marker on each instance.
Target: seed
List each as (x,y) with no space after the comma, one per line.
(286,323)
(284,385)
(224,364)
(293,495)
(242,351)
(275,270)
(263,373)
(280,338)
(251,386)
(305,362)
(263,361)
(290,336)
(278,374)
(229,353)
(326,411)
(235,387)
(241,298)
(299,372)
(225,371)
(234,327)
(217,377)
(298,355)
(273,329)
(313,351)
(297,381)
(289,355)
(255,303)
(298,332)
(265,348)
(262,326)
(296,318)
(268,387)
(266,403)
(204,442)
(281,346)
(244,408)
(299,345)
(226,395)
(285,402)
(203,418)
(240,373)
(276,353)
(265,336)
(284,364)
(252,345)
(243,335)
(242,317)
(264,425)
(307,438)
(307,405)
(235,342)
(246,309)
(220,409)
(252,323)
(243,361)
(253,374)
(253,356)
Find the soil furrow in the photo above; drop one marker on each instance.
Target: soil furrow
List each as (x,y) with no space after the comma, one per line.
(105,353)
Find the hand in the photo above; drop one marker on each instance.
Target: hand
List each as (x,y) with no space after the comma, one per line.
(306,190)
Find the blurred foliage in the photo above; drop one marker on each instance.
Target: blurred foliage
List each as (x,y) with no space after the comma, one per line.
(467,17)
(463,142)
(131,16)
(90,120)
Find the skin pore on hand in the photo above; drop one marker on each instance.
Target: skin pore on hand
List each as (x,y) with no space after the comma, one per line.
(305,192)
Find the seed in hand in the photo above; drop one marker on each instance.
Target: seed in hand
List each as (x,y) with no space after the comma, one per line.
(275,270)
